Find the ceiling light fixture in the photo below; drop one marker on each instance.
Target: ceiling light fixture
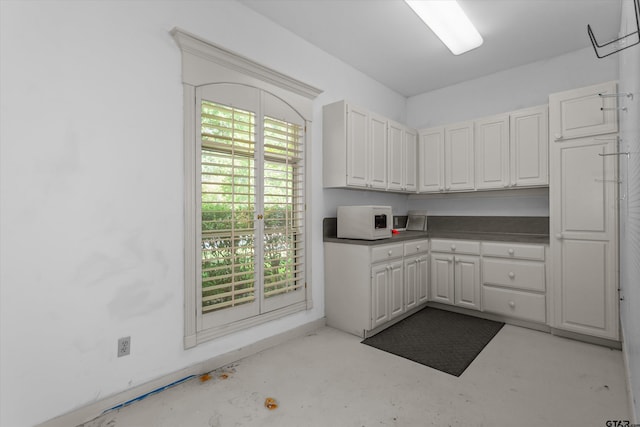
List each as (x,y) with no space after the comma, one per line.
(449,22)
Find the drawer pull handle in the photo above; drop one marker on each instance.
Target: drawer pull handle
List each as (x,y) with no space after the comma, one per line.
(453,247)
(511,251)
(512,274)
(512,304)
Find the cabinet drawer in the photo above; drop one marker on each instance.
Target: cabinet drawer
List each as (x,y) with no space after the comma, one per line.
(381,253)
(515,250)
(455,246)
(416,247)
(529,275)
(523,305)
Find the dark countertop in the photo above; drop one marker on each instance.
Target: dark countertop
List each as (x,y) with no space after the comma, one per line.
(495,229)
(402,236)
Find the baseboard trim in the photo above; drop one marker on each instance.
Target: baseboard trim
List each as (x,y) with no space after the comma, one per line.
(93,410)
(627,371)
(587,338)
(530,325)
(490,316)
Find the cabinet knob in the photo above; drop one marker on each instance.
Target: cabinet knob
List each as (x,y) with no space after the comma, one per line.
(418,248)
(512,304)
(450,259)
(506,185)
(511,251)
(512,274)
(390,253)
(559,236)
(558,137)
(453,247)
(456,259)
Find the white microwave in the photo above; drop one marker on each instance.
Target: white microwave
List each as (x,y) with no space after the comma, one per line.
(364,222)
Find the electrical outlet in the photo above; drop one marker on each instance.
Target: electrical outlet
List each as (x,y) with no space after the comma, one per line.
(124,346)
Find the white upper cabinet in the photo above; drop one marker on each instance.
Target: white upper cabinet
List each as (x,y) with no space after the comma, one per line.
(502,151)
(584,112)
(363,149)
(529,148)
(358,148)
(378,147)
(512,149)
(402,160)
(354,147)
(446,160)
(431,163)
(410,160)
(395,155)
(459,157)
(492,152)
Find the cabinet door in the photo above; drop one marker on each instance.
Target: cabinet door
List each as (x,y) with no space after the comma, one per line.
(442,285)
(423,279)
(411,277)
(379,295)
(410,160)
(583,208)
(530,147)
(492,152)
(378,154)
(467,281)
(357,147)
(395,156)
(431,169)
(459,157)
(396,289)
(583,112)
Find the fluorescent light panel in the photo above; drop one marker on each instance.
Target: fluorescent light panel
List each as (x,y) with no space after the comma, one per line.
(449,22)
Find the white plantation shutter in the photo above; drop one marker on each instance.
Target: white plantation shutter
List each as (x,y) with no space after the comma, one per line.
(283,207)
(228,206)
(252,211)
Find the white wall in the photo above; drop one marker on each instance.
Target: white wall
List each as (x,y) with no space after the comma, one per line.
(630,205)
(522,202)
(338,197)
(508,90)
(515,88)
(91,184)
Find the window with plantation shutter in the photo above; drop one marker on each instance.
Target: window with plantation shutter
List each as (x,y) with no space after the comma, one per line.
(246,137)
(252,218)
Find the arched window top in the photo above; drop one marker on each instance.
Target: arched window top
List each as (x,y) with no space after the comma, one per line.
(203,61)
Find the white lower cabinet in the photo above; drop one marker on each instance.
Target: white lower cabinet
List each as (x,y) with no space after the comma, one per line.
(368,286)
(387,292)
(416,279)
(514,280)
(455,273)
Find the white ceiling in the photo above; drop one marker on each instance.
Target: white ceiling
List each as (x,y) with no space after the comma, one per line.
(387,41)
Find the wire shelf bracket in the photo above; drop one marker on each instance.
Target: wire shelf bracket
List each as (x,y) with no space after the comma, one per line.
(615,46)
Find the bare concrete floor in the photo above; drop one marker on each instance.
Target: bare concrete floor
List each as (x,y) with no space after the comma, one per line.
(522,378)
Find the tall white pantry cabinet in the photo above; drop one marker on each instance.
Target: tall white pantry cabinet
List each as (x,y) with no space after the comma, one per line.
(584,210)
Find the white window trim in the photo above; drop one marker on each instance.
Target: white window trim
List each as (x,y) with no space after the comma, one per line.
(203,63)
